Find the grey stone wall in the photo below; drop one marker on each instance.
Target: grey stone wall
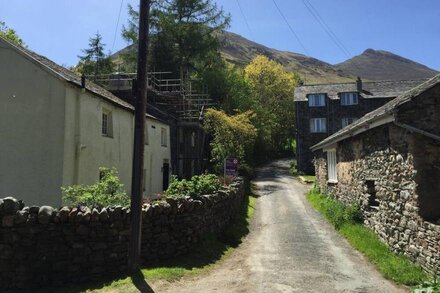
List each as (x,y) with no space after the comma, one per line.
(41,246)
(384,170)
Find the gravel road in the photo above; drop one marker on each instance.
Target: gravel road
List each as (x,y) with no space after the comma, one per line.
(290,248)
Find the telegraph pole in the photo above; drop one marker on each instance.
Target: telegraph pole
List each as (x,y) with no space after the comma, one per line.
(139,140)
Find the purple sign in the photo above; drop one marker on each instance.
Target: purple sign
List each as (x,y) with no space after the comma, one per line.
(231,167)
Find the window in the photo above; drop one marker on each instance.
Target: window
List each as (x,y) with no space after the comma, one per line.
(373,203)
(331,166)
(347,121)
(316,100)
(349,99)
(318,125)
(107,125)
(163,137)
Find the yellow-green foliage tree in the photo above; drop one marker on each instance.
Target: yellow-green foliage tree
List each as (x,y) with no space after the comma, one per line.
(273,88)
(233,136)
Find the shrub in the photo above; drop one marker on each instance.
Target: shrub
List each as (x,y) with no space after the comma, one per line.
(432,286)
(194,188)
(336,212)
(106,192)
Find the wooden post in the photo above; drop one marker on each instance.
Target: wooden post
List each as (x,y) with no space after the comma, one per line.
(139,140)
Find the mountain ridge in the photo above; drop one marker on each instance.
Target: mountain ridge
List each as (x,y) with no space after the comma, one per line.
(371,65)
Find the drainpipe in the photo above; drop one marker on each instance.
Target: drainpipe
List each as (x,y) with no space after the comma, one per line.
(77,138)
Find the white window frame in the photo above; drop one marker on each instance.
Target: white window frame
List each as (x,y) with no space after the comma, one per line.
(347,121)
(349,98)
(332,173)
(316,100)
(163,137)
(318,125)
(106,123)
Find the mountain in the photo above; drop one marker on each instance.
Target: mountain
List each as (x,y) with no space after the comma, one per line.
(383,65)
(370,65)
(241,51)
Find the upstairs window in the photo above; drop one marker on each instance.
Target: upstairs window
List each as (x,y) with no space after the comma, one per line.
(106,123)
(347,121)
(163,137)
(318,125)
(316,100)
(331,166)
(349,99)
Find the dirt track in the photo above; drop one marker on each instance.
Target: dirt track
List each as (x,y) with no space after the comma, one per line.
(290,249)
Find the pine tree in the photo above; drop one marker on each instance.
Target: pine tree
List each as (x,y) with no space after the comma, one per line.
(95,61)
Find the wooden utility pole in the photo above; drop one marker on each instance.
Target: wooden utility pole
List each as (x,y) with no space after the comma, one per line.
(139,139)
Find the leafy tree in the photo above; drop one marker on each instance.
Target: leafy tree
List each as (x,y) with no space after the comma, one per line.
(273,88)
(95,61)
(107,191)
(233,136)
(10,34)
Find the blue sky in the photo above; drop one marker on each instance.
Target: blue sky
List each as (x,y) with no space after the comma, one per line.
(59,29)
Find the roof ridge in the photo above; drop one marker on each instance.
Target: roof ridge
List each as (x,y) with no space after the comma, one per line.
(69,75)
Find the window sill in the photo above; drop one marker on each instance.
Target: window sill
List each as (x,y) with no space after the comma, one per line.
(106,135)
(332,182)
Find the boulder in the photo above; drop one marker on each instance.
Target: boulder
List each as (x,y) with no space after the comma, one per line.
(9,206)
(45,214)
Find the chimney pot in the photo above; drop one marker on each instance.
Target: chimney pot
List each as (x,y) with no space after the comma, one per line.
(359,84)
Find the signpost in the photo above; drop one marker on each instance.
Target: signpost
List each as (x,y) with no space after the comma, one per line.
(230,168)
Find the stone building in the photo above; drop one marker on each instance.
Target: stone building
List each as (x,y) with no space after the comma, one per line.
(321,110)
(57,129)
(388,162)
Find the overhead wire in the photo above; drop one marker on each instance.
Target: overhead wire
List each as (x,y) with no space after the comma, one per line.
(117,25)
(290,27)
(314,12)
(245,20)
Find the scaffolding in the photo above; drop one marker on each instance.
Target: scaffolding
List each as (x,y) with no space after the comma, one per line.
(187,98)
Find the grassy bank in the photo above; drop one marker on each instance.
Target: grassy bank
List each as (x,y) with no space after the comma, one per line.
(211,250)
(347,220)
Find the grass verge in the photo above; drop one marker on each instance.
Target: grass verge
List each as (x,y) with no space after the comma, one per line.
(346,220)
(208,252)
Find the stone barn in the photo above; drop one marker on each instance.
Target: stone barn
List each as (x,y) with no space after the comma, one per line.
(388,162)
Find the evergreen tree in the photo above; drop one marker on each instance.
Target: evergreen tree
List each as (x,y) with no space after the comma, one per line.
(95,61)
(183,34)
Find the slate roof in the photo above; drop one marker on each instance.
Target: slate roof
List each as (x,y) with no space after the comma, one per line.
(386,109)
(370,89)
(71,77)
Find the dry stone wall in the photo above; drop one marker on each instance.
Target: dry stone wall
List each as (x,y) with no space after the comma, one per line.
(384,171)
(42,246)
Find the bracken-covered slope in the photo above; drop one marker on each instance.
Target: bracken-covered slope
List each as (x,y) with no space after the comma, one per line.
(383,65)
(241,51)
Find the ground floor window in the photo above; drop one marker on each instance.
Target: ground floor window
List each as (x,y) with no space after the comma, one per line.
(331,165)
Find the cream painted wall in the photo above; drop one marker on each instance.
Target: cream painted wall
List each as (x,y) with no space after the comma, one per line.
(51,135)
(155,154)
(31,130)
(86,149)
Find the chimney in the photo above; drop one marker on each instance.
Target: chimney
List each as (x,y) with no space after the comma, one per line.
(359,84)
(83,81)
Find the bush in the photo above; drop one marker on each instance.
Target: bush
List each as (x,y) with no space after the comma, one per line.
(106,192)
(194,188)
